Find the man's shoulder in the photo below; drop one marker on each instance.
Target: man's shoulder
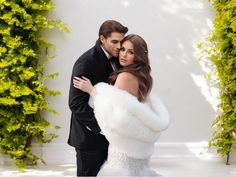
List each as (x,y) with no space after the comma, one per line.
(92,53)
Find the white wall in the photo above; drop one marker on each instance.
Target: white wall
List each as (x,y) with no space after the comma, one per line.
(171,28)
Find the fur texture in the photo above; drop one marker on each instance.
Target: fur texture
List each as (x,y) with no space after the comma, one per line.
(129,125)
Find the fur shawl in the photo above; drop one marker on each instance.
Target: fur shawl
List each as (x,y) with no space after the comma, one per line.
(129,125)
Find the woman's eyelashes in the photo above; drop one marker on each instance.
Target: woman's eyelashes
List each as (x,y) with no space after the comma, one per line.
(122,49)
(129,51)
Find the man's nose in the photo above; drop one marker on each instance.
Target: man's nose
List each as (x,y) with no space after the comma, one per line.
(118,46)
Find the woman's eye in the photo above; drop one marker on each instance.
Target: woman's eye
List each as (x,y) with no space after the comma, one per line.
(122,49)
(131,52)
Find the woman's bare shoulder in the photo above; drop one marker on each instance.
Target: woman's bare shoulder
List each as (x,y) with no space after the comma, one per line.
(127,81)
(126,76)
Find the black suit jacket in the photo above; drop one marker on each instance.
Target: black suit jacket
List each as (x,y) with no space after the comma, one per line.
(94,65)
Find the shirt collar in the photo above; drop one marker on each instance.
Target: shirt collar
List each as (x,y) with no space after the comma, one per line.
(106,53)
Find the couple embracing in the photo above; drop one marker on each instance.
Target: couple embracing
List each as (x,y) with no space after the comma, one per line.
(114,122)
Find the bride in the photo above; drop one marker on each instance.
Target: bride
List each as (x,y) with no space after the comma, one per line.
(128,116)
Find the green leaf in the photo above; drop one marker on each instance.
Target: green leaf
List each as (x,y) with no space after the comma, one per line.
(23,56)
(222,54)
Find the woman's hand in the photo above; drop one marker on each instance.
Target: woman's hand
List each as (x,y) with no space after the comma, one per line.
(83,84)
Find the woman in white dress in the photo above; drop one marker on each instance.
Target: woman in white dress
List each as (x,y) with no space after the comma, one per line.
(128,116)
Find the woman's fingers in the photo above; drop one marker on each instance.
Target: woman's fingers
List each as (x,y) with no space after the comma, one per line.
(77,78)
(83,83)
(79,83)
(81,79)
(85,78)
(76,83)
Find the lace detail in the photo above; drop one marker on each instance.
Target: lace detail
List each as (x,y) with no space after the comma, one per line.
(118,159)
(119,164)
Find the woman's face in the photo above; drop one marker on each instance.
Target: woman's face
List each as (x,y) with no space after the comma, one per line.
(126,55)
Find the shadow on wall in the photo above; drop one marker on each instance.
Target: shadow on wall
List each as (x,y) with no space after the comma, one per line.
(180,77)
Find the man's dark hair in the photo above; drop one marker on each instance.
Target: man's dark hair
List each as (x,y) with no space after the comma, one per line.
(110,26)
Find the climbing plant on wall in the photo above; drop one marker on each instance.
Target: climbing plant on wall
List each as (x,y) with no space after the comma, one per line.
(222,54)
(23,55)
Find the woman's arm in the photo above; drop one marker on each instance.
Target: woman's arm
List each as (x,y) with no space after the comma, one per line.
(125,81)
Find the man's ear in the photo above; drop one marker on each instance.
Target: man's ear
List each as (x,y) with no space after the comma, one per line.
(102,39)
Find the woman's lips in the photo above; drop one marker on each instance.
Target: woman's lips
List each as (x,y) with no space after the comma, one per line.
(122,60)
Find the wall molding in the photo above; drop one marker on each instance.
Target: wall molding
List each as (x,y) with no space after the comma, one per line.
(61,153)
(184,150)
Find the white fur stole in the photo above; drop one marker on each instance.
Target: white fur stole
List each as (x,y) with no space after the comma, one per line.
(131,126)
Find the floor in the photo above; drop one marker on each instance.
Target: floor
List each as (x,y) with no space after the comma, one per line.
(179,167)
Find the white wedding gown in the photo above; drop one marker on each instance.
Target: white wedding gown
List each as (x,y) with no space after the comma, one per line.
(119,164)
(131,127)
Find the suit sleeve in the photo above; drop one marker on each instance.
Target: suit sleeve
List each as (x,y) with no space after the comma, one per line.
(78,100)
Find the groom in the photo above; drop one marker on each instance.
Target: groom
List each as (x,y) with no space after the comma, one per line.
(85,134)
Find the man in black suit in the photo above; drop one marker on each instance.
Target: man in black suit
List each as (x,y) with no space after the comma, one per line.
(85,135)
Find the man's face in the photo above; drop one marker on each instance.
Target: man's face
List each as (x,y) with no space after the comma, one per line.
(112,44)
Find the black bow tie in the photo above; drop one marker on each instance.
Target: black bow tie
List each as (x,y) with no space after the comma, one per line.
(112,62)
(112,59)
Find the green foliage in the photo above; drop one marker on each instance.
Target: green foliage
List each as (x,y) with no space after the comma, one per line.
(222,53)
(22,90)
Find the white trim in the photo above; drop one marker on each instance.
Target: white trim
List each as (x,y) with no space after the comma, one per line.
(184,150)
(59,153)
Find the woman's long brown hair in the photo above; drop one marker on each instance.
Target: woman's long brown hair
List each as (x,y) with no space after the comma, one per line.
(140,68)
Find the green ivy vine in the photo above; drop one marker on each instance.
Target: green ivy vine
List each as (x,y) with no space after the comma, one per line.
(221,50)
(23,55)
